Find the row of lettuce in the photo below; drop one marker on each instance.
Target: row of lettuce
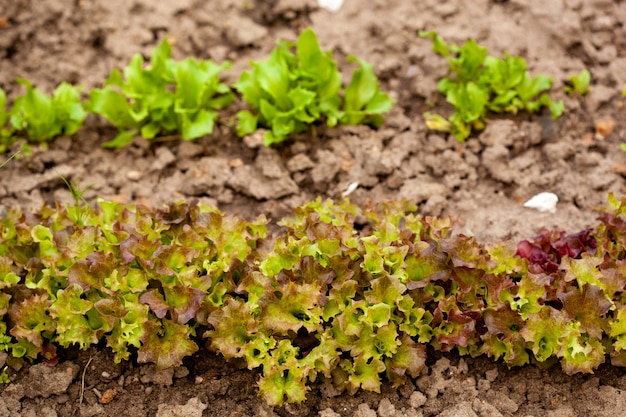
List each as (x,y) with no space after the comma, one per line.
(297,87)
(286,93)
(341,293)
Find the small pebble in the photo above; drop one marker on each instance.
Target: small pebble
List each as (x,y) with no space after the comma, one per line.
(491,374)
(133,175)
(417,399)
(254,140)
(604,128)
(108,396)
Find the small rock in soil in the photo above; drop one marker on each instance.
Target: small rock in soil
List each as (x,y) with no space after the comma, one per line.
(463,409)
(243,31)
(386,408)
(299,162)
(421,189)
(270,163)
(417,399)
(91,410)
(133,175)
(498,133)
(364,410)
(327,167)
(188,150)
(44,381)
(265,411)
(485,409)
(39,412)
(181,372)
(151,375)
(501,401)
(164,158)
(286,6)
(10,404)
(193,408)
(328,412)
(598,96)
(562,411)
(494,158)
(249,181)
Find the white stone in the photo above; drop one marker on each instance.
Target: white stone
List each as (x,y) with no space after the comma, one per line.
(544,202)
(332,6)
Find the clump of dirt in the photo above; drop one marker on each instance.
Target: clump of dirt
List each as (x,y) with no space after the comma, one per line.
(482,182)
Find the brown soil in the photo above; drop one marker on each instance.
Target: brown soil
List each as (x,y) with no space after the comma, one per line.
(483,181)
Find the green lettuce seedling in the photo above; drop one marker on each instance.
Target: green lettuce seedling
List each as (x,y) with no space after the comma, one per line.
(289,92)
(579,83)
(6,131)
(42,117)
(166,97)
(482,83)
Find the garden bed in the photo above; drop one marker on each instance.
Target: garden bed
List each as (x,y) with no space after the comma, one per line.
(483,182)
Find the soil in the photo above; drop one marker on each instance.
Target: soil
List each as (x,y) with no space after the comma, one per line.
(482,182)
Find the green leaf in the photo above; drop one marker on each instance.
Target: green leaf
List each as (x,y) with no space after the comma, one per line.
(167,97)
(409,357)
(283,380)
(297,307)
(234,325)
(165,343)
(469,100)
(469,62)
(32,321)
(503,75)
(437,122)
(272,76)
(246,123)
(618,329)
(292,92)
(480,82)
(44,117)
(113,106)
(362,87)
(439,45)
(386,289)
(364,373)
(200,126)
(122,139)
(185,302)
(579,83)
(249,89)
(70,311)
(587,307)
(377,343)
(530,87)
(545,330)
(128,330)
(580,353)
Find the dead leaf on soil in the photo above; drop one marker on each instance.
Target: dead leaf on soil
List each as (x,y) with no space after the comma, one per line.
(108,395)
(605,127)
(4,22)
